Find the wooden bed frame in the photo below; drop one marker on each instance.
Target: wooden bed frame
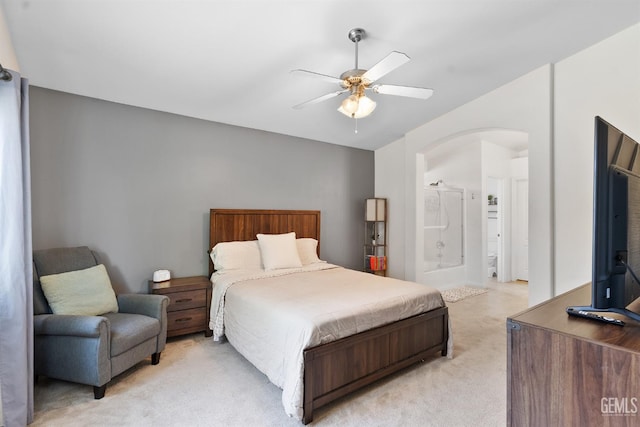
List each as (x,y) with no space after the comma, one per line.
(335,369)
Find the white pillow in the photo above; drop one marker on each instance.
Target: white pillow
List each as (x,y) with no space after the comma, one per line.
(84,292)
(308,250)
(279,251)
(236,255)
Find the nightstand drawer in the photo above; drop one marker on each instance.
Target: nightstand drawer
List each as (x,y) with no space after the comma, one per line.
(189,303)
(187,319)
(187,299)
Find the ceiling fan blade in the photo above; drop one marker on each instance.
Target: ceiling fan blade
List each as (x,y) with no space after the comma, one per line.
(320,99)
(305,73)
(411,92)
(385,66)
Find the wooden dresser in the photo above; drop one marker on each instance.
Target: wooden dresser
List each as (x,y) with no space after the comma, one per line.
(569,371)
(189,305)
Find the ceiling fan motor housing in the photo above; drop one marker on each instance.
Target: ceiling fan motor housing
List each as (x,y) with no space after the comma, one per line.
(352,78)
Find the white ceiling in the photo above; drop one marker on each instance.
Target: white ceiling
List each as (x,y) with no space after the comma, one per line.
(228,61)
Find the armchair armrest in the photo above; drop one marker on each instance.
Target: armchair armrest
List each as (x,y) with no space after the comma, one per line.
(69,325)
(148,304)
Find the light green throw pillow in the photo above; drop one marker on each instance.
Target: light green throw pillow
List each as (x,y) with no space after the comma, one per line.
(84,292)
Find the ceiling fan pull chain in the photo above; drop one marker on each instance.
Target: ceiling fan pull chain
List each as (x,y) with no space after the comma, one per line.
(356,131)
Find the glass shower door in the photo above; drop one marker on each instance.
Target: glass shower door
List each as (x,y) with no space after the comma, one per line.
(443,228)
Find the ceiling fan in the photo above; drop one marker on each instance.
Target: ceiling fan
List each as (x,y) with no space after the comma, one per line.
(356,81)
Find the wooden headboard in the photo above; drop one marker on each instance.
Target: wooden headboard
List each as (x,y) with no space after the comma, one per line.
(226,225)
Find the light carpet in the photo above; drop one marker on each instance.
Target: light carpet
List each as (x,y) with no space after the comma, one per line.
(457,294)
(202,383)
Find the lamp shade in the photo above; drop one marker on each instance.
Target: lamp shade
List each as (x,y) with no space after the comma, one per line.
(350,105)
(376,210)
(363,106)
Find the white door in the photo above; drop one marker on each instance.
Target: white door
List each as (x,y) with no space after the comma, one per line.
(521,228)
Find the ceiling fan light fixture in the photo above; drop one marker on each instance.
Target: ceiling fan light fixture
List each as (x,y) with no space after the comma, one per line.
(365,106)
(356,81)
(350,105)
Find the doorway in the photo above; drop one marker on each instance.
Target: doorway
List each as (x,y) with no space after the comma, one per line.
(482,162)
(495,228)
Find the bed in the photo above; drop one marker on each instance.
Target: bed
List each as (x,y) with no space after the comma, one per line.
(331,361)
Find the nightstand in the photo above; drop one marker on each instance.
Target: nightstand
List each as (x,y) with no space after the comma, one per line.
(189,305)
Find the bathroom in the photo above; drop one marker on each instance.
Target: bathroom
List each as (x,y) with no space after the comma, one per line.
(466,238)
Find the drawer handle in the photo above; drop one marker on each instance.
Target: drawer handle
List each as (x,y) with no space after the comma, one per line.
(184,319)
(184,300)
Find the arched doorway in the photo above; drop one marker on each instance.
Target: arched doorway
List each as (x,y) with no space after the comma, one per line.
(471,161)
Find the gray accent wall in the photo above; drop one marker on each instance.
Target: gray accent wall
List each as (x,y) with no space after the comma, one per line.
(136,185)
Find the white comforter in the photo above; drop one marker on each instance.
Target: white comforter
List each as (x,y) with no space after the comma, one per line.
(271,317)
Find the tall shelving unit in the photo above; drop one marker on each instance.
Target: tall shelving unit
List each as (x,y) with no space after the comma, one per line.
(375,235)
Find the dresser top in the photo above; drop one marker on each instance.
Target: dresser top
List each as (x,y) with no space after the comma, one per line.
(551,315)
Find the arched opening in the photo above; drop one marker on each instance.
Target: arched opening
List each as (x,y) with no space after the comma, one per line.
(471,207)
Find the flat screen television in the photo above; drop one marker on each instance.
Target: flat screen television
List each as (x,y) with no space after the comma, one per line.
(616,222)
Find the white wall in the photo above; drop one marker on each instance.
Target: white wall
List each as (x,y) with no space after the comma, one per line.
(523,105)
(603,80)
(519,171)
(388,160)
(7,54)
(520,168)
(584,86)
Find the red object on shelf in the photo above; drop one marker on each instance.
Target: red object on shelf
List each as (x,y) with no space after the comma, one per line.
(377,263)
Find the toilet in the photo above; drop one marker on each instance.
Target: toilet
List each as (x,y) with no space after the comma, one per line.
(492,264)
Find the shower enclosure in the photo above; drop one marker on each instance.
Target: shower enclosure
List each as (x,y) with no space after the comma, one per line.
(443,227)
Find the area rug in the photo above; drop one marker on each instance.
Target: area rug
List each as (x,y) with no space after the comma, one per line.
(457,294)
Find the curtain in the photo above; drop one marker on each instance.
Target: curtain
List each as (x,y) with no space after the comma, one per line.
(16,273)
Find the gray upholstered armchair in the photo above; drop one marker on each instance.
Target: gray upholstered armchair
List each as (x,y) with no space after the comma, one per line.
(93,349)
